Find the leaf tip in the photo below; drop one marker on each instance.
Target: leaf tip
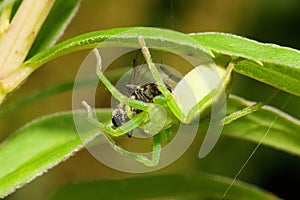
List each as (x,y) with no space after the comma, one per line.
(210,52)
(259,62)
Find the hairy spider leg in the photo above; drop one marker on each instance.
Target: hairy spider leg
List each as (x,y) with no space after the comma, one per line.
(171,101)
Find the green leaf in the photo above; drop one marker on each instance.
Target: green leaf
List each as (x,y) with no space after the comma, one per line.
(5,13)
(269,63)
(112,75)
(172,40)
(155,36)
(283,135)
(45,142)
(5,3)
(37,147)
(200,186)
(36,96)
(16,4)
(58,19)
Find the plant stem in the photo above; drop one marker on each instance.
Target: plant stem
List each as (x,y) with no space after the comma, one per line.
(18,38)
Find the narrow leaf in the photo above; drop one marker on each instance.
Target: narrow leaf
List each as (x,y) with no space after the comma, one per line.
(36,96)
(200,186)
(281,71)
(47,141)
(156,38)
(5,3)
(269,63)
(164,38)
(282,132)
(112,75)
(5,13)
(56,22)
(37,147)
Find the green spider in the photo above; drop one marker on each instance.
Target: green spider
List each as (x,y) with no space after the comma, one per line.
(157,117)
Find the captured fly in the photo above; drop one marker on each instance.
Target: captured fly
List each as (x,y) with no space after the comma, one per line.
(143,92)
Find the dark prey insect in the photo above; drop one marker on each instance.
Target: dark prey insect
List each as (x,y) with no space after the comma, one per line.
(146,93)
(150,106)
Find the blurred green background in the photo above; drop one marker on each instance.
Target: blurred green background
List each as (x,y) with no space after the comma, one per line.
(273,21)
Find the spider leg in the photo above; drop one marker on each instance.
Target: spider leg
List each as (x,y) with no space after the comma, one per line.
(171,101)
(134,122)
(247,110)
(118,95)
(167,134)
(125,128)
(156,151)
(214,95)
